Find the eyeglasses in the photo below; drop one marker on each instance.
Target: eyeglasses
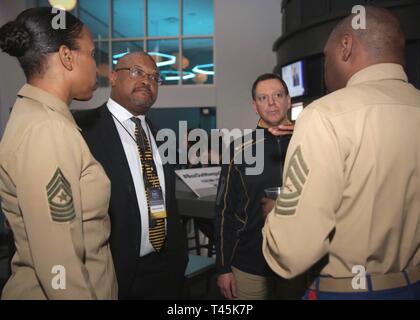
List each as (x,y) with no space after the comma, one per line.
(136,72)
(276,96)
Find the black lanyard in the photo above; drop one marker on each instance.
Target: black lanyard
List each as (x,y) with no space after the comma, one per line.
(134,139)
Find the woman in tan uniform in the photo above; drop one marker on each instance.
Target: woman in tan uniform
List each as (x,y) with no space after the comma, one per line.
(54,193)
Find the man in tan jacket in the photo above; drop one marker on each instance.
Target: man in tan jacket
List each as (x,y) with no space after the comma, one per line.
(350,202)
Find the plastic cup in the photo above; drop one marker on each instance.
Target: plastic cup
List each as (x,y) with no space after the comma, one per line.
(272,193)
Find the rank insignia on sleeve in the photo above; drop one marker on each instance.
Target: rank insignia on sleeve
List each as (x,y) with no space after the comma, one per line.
(60,198)
(297,173)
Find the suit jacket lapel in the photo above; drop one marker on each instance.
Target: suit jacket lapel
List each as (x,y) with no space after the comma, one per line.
(115,151)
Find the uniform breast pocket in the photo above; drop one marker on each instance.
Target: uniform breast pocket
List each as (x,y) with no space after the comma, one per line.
(95,189)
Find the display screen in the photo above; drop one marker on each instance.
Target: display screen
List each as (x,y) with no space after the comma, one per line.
(293,75)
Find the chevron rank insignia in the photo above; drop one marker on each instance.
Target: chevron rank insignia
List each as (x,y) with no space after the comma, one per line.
(296,176)
(60,198)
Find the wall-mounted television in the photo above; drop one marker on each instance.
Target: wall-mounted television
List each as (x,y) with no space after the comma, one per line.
(294,77)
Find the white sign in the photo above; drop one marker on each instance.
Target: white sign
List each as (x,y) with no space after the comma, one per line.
(203,181)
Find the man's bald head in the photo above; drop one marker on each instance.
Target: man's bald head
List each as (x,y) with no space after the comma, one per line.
(136,91)
(350,50)
(383,37)
(129,58)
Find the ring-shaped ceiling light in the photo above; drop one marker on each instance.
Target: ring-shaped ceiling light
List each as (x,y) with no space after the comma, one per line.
(171,58)
(199,69)
(175,75)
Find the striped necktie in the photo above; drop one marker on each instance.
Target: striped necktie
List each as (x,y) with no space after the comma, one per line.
(151,180)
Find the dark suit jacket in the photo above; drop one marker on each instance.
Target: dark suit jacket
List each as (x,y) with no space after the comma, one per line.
(101,135)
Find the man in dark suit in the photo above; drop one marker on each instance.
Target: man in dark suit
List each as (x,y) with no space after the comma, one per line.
(148,242)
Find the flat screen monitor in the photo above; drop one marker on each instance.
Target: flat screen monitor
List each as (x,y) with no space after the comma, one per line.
(293,75)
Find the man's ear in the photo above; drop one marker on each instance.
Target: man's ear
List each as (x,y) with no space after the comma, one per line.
(254,106)
(289,102)
(112,78)
(346,47)
(66,57)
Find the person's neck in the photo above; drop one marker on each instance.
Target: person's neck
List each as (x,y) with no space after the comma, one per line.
(53,88)
(130,109)
(367,61)
(261,123)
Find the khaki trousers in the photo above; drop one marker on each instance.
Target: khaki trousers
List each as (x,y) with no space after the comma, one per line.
(250,286)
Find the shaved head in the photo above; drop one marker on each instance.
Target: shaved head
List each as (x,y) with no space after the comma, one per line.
(350,50)
(135,92)
(383,37)
(130,57)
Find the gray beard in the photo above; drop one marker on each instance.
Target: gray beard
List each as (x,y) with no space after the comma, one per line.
(141,103)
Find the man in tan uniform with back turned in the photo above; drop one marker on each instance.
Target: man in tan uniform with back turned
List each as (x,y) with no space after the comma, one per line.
(351,195)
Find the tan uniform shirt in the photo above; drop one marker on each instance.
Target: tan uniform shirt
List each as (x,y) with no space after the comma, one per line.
(55,196)
(352,181)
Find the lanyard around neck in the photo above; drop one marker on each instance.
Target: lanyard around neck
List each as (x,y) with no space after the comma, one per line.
(131,136)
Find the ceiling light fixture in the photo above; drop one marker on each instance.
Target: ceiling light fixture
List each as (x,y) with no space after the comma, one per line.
(171,58)
(199,69)
(172,75)
(67,5)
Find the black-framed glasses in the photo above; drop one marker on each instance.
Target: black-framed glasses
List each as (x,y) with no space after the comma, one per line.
(136,72)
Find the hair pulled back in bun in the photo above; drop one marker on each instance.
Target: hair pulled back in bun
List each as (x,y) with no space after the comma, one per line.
(33,35)
(14,39)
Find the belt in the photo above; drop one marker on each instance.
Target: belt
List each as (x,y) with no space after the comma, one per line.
(373,282)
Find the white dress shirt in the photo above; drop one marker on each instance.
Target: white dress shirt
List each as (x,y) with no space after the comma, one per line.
(125,126)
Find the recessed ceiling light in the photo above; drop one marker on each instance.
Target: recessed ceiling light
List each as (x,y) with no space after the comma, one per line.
(67,5)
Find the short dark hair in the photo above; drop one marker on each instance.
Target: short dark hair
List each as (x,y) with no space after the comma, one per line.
(383,37)
(268,76)
(31,37)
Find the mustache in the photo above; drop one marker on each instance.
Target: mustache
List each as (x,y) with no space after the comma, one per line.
(142,88)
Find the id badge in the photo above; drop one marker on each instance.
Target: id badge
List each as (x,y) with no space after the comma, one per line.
(157,204)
